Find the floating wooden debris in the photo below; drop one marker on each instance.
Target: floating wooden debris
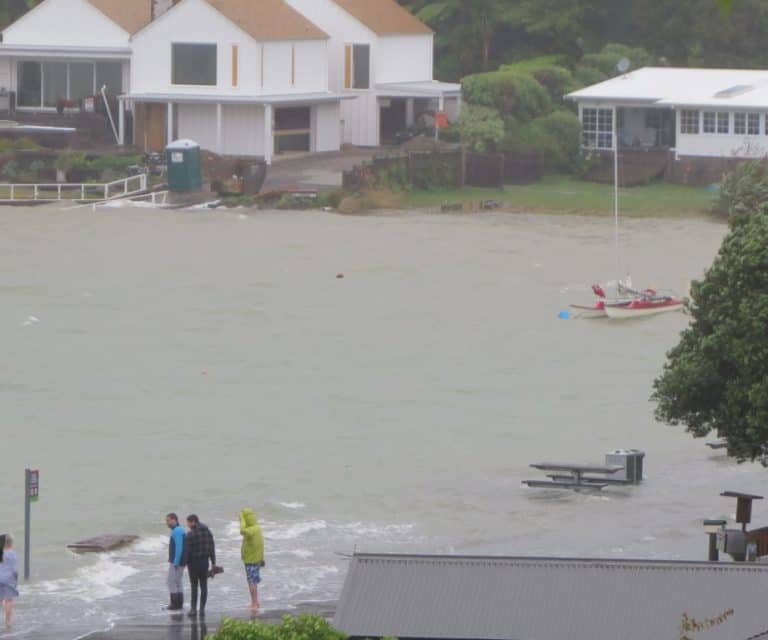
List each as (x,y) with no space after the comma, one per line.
(102,544)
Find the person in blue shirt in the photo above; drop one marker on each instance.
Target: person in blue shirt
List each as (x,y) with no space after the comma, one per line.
(175,566)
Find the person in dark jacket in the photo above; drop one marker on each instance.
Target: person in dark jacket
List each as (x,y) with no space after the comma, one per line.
(175,566)
(199,557)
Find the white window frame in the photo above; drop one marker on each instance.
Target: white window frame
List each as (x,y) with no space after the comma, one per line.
(690,121)
(597,128)
(753,124)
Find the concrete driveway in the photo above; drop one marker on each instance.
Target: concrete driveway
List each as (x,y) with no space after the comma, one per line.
(316,171)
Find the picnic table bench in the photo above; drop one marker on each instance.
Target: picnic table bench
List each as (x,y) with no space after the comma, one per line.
(573,476)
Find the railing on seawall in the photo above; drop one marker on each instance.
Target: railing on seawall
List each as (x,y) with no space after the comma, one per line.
(84,191)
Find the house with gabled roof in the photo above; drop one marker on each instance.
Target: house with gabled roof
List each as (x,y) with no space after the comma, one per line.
(69,49)
(381,57)
(240,77)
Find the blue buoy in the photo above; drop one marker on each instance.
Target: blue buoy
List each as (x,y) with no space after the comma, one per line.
(564,315)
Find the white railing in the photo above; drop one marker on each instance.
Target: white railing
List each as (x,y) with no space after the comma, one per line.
(56,191)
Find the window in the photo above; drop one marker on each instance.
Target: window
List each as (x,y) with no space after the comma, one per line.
(709,122)
(30,84)
(357,66)
(597,128)
(753,124)
(194,64)
(109,75)
(689,121)
(43,84)
(723,122)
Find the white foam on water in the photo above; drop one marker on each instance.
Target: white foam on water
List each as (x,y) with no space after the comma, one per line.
(149,546)
(292,505)
(371,530)
(98,581)
(294,530)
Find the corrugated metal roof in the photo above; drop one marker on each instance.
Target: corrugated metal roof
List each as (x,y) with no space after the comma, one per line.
(384,17)
(669,86)
(492,598)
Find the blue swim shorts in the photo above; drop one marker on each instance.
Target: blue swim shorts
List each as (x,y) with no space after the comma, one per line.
(253,572)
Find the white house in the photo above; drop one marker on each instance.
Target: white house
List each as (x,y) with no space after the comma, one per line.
(68,49)
(242,77)
(696,114)
(382,56)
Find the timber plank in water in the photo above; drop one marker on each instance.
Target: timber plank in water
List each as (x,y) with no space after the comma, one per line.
(102,544)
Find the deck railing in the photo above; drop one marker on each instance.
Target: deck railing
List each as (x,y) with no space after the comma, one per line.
(56,191)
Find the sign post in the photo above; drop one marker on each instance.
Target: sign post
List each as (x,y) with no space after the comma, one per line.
(31,494)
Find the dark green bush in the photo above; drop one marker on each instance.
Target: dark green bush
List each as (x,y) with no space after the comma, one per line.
(513,93)
(555,78)
(606,59)
(305,627)
(562,131)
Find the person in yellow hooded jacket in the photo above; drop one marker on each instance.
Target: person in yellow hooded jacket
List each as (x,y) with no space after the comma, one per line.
(252,552)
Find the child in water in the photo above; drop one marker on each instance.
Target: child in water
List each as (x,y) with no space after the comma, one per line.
(9,577)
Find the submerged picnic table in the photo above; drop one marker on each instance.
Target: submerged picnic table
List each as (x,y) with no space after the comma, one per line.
(572,476)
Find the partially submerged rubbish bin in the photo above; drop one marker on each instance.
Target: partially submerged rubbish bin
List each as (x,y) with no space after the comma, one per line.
(184,167)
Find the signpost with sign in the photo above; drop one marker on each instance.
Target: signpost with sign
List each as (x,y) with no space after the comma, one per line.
(31,494)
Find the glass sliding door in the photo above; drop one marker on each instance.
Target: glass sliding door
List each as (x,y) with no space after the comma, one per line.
(80,80)
(30,89)
(54,82)
(111,75)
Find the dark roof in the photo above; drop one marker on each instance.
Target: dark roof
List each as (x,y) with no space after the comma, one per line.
(508,598)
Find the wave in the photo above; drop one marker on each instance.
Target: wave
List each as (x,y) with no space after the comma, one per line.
(98,581)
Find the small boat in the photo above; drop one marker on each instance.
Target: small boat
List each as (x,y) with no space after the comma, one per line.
(597,309)
(644,306)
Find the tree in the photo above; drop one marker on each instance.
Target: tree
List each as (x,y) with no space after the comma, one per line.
(716,378)
(480,128)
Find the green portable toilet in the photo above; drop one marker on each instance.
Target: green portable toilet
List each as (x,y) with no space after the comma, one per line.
(184,168)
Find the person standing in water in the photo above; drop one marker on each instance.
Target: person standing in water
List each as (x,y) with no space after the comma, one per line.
(252,552)
(175,567)
(199,557)
(9,577)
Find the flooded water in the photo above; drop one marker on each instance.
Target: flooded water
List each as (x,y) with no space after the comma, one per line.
(205,361)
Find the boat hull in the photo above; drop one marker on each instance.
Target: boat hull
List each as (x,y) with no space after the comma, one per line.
(589,312)
(642,310)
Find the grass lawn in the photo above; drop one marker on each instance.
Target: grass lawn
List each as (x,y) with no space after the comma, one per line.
(562,194)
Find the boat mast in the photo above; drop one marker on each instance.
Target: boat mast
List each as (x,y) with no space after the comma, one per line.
(616,191)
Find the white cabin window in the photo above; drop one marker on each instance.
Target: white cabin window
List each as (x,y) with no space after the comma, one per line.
(193,64)
(689,121)
(597,128)
(716,122)
(357,66)
(723,122)
(746,124)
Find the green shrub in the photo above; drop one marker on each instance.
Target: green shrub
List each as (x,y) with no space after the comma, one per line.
(510,92)
(480,128)
(115,163)
(585,76)
(562,131)
(305,627)
(744,190)
(10,170)
(17,144)
(556,79)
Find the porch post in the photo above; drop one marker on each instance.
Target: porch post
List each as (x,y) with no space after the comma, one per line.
(169,124)
(269,134)
(121,123)
(440,109)
(219,135)
(409,112)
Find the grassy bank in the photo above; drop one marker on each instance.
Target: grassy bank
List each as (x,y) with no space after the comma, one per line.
(561,194)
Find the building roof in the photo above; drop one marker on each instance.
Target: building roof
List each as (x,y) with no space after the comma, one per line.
(269,19)
(384,17)
(677,87)
(131,16)
(507,598)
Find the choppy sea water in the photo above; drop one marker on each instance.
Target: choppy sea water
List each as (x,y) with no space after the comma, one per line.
(206,361)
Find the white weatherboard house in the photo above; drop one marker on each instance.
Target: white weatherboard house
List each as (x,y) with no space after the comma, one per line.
(69,49)
(700,116)
(241,77)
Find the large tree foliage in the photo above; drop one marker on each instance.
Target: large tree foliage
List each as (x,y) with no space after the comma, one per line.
(716,378)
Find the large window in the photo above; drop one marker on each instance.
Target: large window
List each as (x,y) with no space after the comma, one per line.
(357,66)
(193,64)
(597,128)
(689,121)
(716,122)
(746,124)
(43,84)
